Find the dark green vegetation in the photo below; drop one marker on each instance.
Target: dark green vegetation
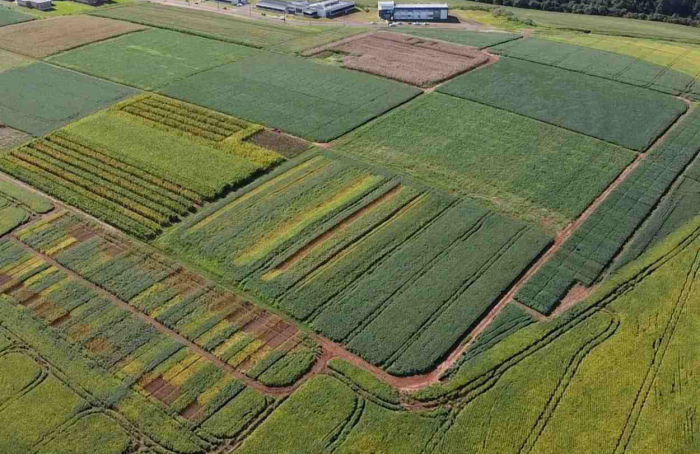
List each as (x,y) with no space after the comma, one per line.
(17,205)
(293,100)
(9,17)
(586,254)
(567,99)
(474,39)
(600,63)
(131,166)
(65,96)
(211,25)
(351,250)
(152,58)
(500,158)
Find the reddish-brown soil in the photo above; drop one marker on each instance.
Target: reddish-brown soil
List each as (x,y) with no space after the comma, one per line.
(416,61)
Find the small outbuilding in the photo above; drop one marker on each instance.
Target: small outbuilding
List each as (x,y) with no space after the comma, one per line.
(412,11)
(43,5)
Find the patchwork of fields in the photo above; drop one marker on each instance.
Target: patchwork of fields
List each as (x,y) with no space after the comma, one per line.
(503,263)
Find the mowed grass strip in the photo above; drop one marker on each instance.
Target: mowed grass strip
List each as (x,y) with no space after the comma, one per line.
(309,100)
(47,37)
(600,108)
(218,26)
(153,58)
(9,17)
(57,97)
(521,167)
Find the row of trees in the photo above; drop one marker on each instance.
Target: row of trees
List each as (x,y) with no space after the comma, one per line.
(686,12)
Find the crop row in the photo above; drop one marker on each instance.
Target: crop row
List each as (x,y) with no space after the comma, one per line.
(590,250)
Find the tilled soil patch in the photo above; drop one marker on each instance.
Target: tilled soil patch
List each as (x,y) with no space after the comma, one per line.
(283,144)
(10,138)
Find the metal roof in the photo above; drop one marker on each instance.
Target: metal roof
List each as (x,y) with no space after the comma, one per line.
(272,3)
(421,5)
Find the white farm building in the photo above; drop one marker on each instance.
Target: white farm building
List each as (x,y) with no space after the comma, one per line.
(412,11)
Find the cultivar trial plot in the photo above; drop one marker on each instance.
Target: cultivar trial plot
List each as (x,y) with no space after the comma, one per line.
(313,101)
(352,251)
(501,159)
(567,99)
(133,182)
(18,205)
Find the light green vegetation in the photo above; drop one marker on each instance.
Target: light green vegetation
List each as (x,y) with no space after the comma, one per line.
(152,58)
(499,158)
(11,217)
(25,371)
(237,414)
(212,25)
(30,199)
(8,60)
(656,69)
(89,432)
(69,7)
(350,250)
(364,381)
(464,37)
(10,16)
(566,99)
(254,89)
(65,96)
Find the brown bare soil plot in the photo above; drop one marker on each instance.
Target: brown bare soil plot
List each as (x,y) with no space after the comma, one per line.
(416,61)
(42,38)
(10,138)
(283,144)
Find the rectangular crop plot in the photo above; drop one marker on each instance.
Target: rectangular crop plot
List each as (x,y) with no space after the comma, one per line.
(143,164)
(152,58)
(47,37)
(10,16)
(218,26)
(522,167)
(608,110)
(8,60)
(57,97)
(313,101)
(407,59)
(480,40)
(397,272)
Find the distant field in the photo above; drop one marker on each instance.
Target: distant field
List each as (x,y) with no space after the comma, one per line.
(653,69)
(47,37)
(500,158)
(313,101)
(311,41)
(10,16)
(69,8)
(352,251)
(65,96)
(218,26)
(152,58)
(132,169)
(604,109)
(481,40)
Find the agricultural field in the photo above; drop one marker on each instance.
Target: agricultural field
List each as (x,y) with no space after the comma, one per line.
(142,182)
(9,17)
(256,90)
(342,233)
(42,38)
(411,60)
(653,69)
(501,159)
(211,25)
(65,96)
(151,59)
(566,99)
(221,235)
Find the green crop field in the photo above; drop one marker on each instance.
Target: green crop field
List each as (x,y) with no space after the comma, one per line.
(154,59)
(566,99)
(289,100)
(144,183)
(217,238)
(10,16)
(203,23)
(493,156)
(65,97)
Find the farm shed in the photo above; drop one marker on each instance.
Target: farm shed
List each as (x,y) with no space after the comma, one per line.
(412,11)
(328,9)
(43,5)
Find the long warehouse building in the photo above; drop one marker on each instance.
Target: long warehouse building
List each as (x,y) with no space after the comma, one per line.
(327,9)
(412,11)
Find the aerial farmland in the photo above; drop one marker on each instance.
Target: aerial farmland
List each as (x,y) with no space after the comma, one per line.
(303,228)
